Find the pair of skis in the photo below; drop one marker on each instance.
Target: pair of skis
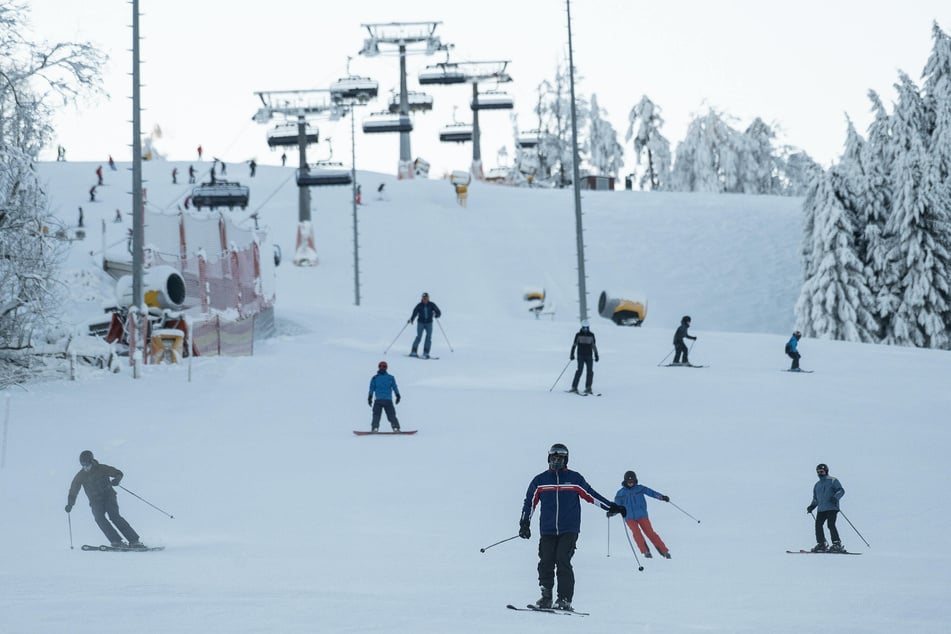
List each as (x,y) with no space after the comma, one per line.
(583,393)
(535,608)
(121,549)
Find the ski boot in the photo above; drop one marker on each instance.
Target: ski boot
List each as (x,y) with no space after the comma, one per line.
(837,547)
(648,555)
(413,354)
(563,604)
(118,544)
(545,601)
(665,555)
(425,355)
(587,391)
(137,545)
(573,390)
(820,548)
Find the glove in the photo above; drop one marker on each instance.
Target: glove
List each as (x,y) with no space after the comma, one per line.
(614,509)
(115,482)
(571,358)
(665,498)
(810,508)
(370,401)
(524,531)
(398,399)
(409,321)
(597,358)
(69,507)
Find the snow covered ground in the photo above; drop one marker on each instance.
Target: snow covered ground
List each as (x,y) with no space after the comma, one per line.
(287,522)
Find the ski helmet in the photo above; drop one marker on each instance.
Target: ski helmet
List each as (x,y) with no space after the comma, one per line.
(797,334)
(822,467)
(585,324)
(426,295)
(685,319)
(382,365)
(85,458)
(630,476)
(558,456)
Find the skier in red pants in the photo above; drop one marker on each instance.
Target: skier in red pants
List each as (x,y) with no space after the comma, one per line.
(631,496)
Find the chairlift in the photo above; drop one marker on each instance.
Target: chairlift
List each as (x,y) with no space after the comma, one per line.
(492,100)
(354,87)
(418,102)
(286,135)
(445,73)
(386,122)
(220,194)
(456,133)
(527,139)
(324,175)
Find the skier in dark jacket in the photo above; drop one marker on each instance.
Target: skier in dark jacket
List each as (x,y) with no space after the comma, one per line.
(587,349)
(631,497)
(97,481)
(383,386)
(792,351)
(559,491)
(826,494)
(425,311)
(680,348)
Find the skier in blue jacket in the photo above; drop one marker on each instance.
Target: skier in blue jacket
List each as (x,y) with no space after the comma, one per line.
(631,497)
(383,386)
(792,350)
(826,494)
(559,491)
(425,311)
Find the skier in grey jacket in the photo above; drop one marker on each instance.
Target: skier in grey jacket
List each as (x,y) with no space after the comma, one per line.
(825,497)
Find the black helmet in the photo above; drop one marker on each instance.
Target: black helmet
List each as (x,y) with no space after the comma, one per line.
(822,467)
(685,319)
(558,456)
(797,334)
(382,365)
(85,458)
(629,476)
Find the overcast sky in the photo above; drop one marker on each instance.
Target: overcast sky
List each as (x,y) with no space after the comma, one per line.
(802,65)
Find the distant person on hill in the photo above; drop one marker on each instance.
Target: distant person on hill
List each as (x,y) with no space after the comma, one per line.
(253,165)
(97,480)
(425,311)
(379,191)
(174,176)
(792,351)
(99,174)
(680,348)
(191,173)
(587,348)
(112,164)
(80,216)
(826,494)
(284,159)
(631,496)
(199,152)
(383,386)
(92,194)
(118,217)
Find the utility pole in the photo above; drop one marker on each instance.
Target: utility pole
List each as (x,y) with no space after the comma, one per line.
(576,178)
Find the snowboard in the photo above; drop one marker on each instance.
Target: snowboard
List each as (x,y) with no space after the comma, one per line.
(386,433)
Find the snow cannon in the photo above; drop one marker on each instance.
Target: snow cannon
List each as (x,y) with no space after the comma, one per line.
(535,296)
(623,311)
(162,287)
(460,177)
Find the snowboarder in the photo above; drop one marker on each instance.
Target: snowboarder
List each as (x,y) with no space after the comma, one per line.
(792,351)
(99,174)
(425,310)
(631,496)
(826,494)
(383,386)
(680,348)
(587,349)
(97,480)
(559,491)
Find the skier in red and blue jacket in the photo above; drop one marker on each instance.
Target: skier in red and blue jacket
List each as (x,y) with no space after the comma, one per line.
(559,491)
(631,496)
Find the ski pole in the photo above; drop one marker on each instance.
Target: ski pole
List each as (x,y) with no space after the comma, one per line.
(69,526)
(640,568)
(147,502)
(609,536)
(438,323)
(665,358)
(683,511)
(559,376)
(855,529)
(397,337)
(508,539)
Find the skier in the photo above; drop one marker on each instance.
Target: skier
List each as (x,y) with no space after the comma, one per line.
(680,347)
(80,216)
(199,152)
(425,310)
(631,496)
(97,480)
(174,176)
(92,194)
(559,491)
(792,351)
(99,174)
(826,494)
(284,159)
(191,173)
(253,166)
(112,163)
(587,347)
(118,217)
(383,385)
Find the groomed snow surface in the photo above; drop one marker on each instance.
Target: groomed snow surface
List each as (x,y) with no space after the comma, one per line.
(287,522)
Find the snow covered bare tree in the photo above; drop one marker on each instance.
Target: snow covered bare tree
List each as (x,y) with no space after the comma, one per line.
(604,152)
(554,117)
(645,123)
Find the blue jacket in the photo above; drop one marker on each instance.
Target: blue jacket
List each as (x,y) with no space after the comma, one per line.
(425,311)
(792,345)
(560,494)
(383,386)
(633,500)
(826,493)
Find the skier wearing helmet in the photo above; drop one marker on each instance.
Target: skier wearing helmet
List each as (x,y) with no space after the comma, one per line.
(383,386)
(792,351)
(631,496)
(587,348)
(97,480)
(826,494)
(680,348)
(559,491)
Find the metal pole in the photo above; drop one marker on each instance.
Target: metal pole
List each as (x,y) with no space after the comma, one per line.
(356,240)
(576,178)
(303,197)
(405,151)
(138,299)
(476,136)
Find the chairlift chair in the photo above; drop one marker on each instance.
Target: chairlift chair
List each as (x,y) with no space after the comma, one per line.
(220,194)
(418,102)
(323,176)
(456,133)
(527,140)
(285,135)
(379,122)
(492,100)
(357,88)
(442,74)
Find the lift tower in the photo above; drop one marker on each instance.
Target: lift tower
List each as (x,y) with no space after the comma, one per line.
(402,35)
